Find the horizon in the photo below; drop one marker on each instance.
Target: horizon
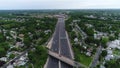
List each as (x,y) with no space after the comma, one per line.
(67,9)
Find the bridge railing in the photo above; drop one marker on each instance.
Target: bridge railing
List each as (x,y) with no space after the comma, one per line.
(66,60)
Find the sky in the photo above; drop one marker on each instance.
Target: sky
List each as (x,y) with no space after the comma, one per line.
(59,4)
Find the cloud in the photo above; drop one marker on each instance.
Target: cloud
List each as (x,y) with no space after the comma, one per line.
(58,4)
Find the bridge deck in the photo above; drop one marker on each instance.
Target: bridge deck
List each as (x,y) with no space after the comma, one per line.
(66,60)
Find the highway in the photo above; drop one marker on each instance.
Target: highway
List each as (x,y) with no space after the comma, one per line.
(60,46)
(64,47)
(54,63)
(63,41)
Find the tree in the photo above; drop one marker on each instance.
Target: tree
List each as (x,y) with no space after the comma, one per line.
(18,39)
(90,31)
(40,53)
(111,38)
(2,52)
(117,33)
(89,39)
(3,48)
(104,40)
(2,38)
(104,53)
(27,42)
(11,56)
(114,63)
(73,35)
(5,45)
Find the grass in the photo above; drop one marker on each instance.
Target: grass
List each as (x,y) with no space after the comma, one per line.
(85,59)
(116,52)
(82,58)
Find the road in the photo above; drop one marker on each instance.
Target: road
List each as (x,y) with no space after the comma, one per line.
(84,35)
(64,47)
(99,49)
(16,58)
(52,62)
(96,57)
(66,59)
(60,46)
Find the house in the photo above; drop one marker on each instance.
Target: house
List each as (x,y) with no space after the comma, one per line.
(76,40)
(88,54)
(89,25)
(101,66)
(114,44)
(111,46)
(21,35)
(84,47)
(22,61)
(108,57)
(10,66)
(19,44)
(90,16)
(47,31)
(99,35)
(76,20)
(3,59)
(13,34)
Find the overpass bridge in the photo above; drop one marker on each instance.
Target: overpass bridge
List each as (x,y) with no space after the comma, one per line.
(66,60)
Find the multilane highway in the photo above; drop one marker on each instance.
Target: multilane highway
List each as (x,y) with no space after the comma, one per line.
(59,45)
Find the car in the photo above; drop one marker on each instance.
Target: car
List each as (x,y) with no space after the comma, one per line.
(60,55)
(12,61)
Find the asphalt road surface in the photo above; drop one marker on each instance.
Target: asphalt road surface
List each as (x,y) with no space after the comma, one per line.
(54,63)
(95,60)
(60,46)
